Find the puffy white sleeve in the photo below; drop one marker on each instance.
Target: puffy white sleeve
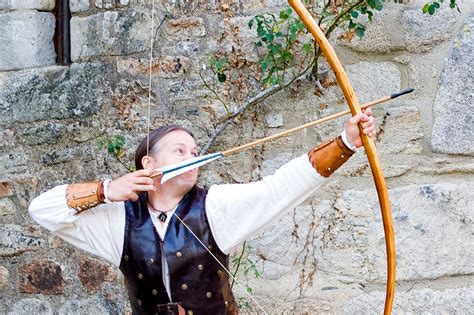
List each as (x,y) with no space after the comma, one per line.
(99,230)
(236,212)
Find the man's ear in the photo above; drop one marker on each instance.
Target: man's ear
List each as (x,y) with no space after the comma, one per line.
(147,162)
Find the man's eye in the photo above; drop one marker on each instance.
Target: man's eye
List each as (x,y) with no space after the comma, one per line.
(195,154)
(179,151)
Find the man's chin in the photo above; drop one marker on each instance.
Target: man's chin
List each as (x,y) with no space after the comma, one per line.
(186,181)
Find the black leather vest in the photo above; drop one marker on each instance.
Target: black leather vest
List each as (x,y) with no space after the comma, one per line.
(197,281)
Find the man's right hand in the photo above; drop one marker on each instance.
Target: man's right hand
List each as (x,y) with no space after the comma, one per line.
(127,187)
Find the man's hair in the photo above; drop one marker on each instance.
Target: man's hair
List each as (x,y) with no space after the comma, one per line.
(155,136)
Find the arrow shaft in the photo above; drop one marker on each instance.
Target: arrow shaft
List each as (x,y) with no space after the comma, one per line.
(304,126)
(200,161)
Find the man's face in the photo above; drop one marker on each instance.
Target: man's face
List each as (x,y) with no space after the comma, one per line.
(175,147)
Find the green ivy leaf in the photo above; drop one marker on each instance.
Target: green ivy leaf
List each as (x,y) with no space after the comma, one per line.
(221,77)
(436,5)
(425,8)
(360,31)
(269,36)
(273,48)
(284,15)
(431,9)
(287,55)
(354,14)
(352,24)
(275,80)
(308,48)
(250,24)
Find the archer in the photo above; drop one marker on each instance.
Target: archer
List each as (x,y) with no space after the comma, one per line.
(171,241)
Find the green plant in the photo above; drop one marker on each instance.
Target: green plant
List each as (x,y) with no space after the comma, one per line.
(115,146)
(432,6)
(217,66)
(248,266)
(279,36)
(243,304)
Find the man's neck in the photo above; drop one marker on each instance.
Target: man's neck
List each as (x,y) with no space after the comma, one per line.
(164,201)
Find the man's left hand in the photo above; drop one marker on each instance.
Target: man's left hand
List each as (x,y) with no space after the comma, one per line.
(368,125)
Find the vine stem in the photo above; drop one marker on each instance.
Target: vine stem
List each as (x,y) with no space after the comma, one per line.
(251,102)
(328,32)
(239,262)
(335,23)
(214,92)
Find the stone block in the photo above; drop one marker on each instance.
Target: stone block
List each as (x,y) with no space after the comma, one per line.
(26,40)
(85,306)
(14,162)
(48,133)
(453,107)
(4,275)
(396,28)
(268,4)
(185,28)
(453,168)
(185,89)
(25,188)
(163,67)
(45,5)
(57,156)
(270,165)
(65,155)
(93,272)
(7,207)
(52,93)
(372,80)
(418,301)
(235,35)
(274,120)
(79,5)
(6,189)
(41,276)
(425,218)
(7,138)
(31,306)
(391,166)
(111,4)
(347,240)
(400,130)
(14,241)
(423,32)
(109,33)
(381,36)
(188,7)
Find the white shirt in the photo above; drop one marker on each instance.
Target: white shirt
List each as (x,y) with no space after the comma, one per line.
(235,212)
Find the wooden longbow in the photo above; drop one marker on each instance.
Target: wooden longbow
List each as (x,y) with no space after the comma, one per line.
(369,145)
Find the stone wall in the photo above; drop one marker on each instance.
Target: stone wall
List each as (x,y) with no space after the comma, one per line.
(326,256)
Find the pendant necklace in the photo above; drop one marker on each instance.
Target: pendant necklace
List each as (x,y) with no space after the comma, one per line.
(162,216)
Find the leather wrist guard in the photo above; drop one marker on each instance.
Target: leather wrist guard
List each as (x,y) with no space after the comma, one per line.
(327,157)
(84,196)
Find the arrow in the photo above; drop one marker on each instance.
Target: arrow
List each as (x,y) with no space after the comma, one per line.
(176,169)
